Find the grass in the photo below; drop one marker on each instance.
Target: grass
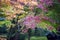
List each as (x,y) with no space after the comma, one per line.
(38,38)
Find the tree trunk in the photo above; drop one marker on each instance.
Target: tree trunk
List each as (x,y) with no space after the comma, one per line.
(29,33)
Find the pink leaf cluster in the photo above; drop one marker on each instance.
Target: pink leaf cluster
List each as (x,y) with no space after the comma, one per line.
(30,21)
(44,4)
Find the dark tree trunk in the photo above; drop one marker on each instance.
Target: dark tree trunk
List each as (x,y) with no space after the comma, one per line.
(29,33)
(28,37)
